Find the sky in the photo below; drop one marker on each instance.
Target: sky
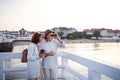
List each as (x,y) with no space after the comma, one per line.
(39,15)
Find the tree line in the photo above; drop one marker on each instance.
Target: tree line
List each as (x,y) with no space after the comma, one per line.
(81,35)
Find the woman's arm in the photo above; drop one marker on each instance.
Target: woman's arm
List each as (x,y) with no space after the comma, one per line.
(31,52)
(59,42)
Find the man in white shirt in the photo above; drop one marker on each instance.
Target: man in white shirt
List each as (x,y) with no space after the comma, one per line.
(50,45)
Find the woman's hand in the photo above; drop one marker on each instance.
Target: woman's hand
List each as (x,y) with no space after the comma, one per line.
(58,38)
(41,55)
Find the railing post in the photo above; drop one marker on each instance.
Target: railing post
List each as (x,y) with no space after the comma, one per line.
(93,75)
(64,64)
(2,74)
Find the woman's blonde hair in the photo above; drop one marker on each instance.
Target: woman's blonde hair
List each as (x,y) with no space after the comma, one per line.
(48,31)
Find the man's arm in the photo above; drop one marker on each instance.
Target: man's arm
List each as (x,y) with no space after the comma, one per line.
(51,53)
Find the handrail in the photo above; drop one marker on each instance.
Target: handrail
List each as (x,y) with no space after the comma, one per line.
(95,69)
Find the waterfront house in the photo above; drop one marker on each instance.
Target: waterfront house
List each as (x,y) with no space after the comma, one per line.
(105,33)
(64,30)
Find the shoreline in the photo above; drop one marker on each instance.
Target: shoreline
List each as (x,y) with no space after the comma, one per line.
(7,47)
(90,41)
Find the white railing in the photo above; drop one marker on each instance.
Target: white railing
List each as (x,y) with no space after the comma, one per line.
(95,69)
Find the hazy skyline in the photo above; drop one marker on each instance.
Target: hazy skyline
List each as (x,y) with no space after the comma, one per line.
(39,15)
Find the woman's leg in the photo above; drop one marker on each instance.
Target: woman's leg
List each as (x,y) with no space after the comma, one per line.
(46,74)
(41,71)
(41,74)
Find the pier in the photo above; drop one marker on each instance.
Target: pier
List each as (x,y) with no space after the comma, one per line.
(94,69)
(7,46)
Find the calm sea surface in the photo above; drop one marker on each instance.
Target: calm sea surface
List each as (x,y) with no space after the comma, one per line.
(106,52)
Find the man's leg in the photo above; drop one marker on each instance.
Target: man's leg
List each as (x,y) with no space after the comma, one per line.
(53,74)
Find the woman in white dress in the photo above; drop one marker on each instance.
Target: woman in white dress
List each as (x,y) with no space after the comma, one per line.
(33,57)
(50,64)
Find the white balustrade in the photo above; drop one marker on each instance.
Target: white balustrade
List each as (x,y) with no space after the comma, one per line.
(95,69)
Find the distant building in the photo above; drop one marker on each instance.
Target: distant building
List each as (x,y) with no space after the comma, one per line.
(108,33)
(89,31)
(22,32)
(14,33)
(64,30)
(1,32)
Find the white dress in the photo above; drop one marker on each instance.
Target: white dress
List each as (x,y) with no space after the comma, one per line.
(50,62)
(33,64)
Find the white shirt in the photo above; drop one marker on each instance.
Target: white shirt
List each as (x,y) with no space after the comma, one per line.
(50,62)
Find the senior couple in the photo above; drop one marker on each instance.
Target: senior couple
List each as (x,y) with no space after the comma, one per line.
(46,49)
